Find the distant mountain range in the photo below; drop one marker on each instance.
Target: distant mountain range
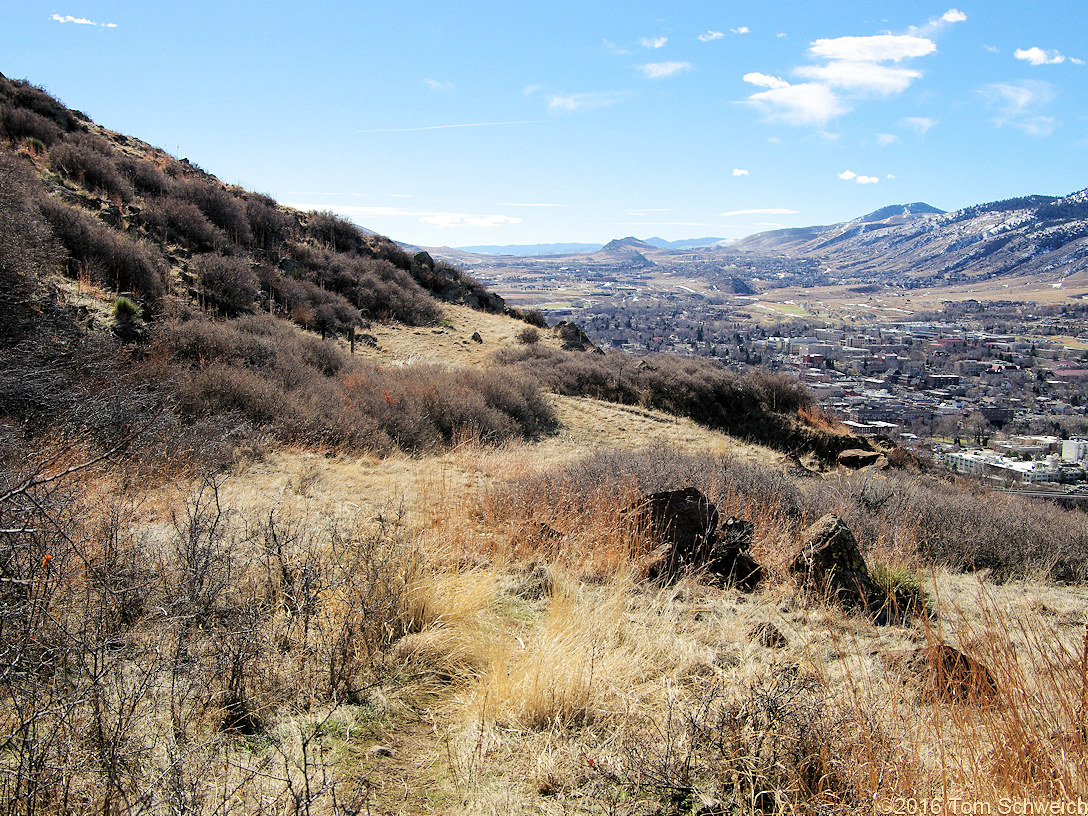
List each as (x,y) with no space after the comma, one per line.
(916,244)
(531,250)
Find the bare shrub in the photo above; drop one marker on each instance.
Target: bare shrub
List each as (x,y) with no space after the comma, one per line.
(88,160)
(375,286)
(114,259)
(228,284)
(172,219)
(962,526)
(535,317)
(310,392)
(781,744)
(528,336)
(334,232)
(144,176)
(270,227)
(19,123)
(21,94)
(221,208)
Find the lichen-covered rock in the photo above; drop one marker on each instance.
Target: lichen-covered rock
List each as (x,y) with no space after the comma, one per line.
(831,566)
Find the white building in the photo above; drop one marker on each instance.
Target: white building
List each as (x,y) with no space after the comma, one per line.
(1075,450)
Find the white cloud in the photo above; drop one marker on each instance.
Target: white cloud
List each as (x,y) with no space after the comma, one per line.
(993,49)
(877,48)
(579,101)
(1020,104)
(664,70)
(850,175)
(612,48)
(937,24)
(444,220)
(847,69)
(1037,56)
(919,124)
(654,42)
(765,80)
(809,103)
(68,18)
(884,139)
(738,172)
(710,35)
(740,30)
(435,85)
(861,76)
(766,211)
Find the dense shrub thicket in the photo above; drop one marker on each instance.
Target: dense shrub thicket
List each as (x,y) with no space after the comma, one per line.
(758,405)
(89,160)
(111,258)
(229,361)
(307,391)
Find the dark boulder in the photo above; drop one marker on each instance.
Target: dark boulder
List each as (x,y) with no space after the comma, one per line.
(856,458)
(572,337)
(945,673)
(831,567)
(684,527)
(767,634)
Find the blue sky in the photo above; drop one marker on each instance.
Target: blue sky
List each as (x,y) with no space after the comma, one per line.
(500,122)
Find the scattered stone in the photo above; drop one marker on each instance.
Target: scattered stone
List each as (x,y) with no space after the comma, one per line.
(856,458)
(831,567)
(684,523)
(380,751)
(945,673)
(476,337)
(539,582)
(767,634)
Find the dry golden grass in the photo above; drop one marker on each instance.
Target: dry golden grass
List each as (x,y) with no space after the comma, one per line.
(502,652)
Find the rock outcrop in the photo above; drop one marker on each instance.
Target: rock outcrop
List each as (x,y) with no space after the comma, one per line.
(945,673)
(856,458)
(684,525)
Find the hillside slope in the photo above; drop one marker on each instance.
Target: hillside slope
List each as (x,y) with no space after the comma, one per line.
(225,310)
